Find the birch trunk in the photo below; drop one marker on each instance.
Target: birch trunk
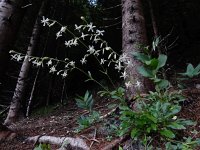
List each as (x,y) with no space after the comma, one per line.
(11,15)
(23,75)
(133,35)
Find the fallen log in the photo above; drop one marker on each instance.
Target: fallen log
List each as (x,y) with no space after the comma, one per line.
(66,143)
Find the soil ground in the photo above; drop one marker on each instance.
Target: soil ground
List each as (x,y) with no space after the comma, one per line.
(62,121)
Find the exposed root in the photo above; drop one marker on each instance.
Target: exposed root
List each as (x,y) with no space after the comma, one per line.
(108,114)
(114,143)
(64,142)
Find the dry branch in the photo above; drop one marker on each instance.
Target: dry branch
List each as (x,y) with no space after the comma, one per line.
(64,142)
(114,143)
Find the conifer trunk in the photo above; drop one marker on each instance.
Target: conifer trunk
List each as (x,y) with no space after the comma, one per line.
(23,75)
(11,15)
(133,36)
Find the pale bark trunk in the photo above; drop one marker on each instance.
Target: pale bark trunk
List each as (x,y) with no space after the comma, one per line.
(10,19)
(134,35)
(32,92)
(23,75)
(64,142)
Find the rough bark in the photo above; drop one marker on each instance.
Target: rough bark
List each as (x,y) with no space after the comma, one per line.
(133,36)
(23,75)
(11,15)
(6,134)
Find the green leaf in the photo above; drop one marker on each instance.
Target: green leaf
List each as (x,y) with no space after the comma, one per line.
(175,125)
(140,56)
(145,72)
(197,70)
(167,133)
(153,63)
(152,118)
(188,122)
(161,61)
(163,84)
(86,95)
(134,133)
(189,72)
(120,148)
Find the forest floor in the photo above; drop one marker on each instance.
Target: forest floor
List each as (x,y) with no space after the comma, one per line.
(61,121)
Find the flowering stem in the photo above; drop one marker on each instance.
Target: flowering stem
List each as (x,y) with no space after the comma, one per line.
(92,79)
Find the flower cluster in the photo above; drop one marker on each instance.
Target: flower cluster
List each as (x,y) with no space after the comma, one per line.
(97,48)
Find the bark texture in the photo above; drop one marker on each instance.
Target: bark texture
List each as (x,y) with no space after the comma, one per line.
(23,75)
(11,15)
(66,143)
(134,35)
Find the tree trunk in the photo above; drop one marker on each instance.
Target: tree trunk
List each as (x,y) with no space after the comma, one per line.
(11,15)
(23,75)
(133,35)
(153,19)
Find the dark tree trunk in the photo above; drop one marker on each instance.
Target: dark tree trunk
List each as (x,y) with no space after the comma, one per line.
(134,35)
(23,76)
(153,19)
(11,15)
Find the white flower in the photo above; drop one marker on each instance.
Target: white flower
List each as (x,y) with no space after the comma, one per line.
(102,61)
(83,35)
(49,62)
(124,75)
(59,34)
(19,57)
(83,60)
(91,27)
(129,63)
(34,62)
(103,50)
(83,18)
(72,63)
(91,49)
(78,27)
(100,32)
(39,63)
(63,29)
(26,57)
(64,74)
(109,56)
(115,56)
(128,84)
(89,74)
(123,57)
(96,39)
(45,21)
(109,63)
(52,69)
(174,118)
(108,48)
(52,23)
(68,43)
(138,84)
(14,56)
(97,52)
(91,36)
(118,66)
(101,45)
(75,42)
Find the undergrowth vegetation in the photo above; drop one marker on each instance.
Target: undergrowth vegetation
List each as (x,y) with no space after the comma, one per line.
(147,118)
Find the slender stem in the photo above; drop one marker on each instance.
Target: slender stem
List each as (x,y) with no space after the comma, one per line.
(92,79)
